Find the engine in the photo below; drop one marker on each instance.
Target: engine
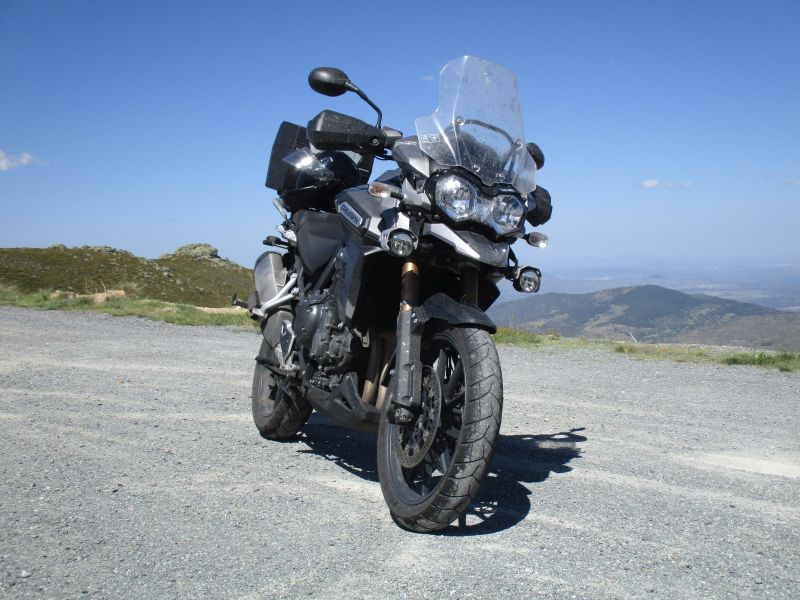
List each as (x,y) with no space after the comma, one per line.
(320,332)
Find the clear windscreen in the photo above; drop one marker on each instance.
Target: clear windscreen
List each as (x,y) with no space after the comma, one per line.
(478,124)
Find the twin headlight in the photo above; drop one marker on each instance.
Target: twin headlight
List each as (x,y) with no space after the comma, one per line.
(461,201)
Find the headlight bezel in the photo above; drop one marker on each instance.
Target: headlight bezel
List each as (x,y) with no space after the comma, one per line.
(486,203)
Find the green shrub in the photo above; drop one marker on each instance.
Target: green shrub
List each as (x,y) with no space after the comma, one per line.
(516,337)
(783,361)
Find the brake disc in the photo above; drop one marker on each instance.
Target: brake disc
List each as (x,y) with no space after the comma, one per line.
(414,439)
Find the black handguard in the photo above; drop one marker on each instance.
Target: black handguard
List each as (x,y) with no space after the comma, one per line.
(540,208)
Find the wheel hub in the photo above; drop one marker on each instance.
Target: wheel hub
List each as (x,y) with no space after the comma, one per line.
(415,438)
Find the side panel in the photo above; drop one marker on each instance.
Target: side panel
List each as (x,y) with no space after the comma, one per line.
(269,275)
(363,216)
(363,213)
(319,235)
(348,274)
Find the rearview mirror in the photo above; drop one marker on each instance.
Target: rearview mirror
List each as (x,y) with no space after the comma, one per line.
(328,81)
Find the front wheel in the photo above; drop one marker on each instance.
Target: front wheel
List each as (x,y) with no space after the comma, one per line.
(456,429)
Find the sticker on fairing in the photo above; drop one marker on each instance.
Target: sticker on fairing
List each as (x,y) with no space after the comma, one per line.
(349,213)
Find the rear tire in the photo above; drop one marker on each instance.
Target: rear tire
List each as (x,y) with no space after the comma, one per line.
(279,411)
(437,491)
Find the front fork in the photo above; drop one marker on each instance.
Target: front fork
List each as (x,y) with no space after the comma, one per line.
(410,323)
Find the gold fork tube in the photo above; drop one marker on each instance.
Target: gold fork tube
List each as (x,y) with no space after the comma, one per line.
(409,286)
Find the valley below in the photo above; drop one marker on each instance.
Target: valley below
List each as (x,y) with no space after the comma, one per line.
(655,314)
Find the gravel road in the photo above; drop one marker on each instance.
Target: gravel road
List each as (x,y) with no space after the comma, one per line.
(130,468)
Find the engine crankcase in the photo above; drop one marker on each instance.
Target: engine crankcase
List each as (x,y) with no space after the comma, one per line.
(320,331)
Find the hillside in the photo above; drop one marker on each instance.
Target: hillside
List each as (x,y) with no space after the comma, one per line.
(653,314)
(193,274)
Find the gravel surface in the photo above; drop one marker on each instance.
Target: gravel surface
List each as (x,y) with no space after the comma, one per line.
(130,468)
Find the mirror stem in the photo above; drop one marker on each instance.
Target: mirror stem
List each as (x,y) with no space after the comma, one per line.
(354,88)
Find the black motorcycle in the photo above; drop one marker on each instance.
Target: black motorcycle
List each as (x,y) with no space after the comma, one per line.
(372,303)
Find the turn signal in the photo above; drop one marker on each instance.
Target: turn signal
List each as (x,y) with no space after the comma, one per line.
(537,239)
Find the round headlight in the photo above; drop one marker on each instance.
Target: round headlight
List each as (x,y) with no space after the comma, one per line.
(456,197)
(507,214)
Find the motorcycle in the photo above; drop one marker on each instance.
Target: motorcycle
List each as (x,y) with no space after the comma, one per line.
(372,301)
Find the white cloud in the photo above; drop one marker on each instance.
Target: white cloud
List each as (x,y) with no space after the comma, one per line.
(426,77)
(9,162)
(649,184)
(793,182)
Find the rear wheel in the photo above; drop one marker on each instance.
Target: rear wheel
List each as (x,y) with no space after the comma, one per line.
(279,411)
(430,469)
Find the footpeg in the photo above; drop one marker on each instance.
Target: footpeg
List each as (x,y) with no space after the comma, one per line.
(236,302)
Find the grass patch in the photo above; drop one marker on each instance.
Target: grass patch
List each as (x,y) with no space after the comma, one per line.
(783,361)
(519,337)
(676,353)
(156,310)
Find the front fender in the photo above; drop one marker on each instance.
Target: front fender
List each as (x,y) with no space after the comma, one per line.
(443,308)
(408,367)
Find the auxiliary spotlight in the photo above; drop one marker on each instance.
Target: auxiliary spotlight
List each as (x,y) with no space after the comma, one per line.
(399,242)
(528,280)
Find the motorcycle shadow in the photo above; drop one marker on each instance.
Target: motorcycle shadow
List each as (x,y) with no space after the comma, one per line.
(504,500)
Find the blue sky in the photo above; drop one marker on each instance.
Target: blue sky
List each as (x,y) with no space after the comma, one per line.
(670,129)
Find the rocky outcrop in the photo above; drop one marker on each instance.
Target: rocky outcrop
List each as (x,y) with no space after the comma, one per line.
(201,251)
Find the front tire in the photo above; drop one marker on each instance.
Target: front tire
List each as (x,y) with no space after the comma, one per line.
(434,493)
(279,411)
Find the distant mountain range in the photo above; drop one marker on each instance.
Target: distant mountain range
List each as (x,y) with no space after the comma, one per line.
(652,313)
(771,284)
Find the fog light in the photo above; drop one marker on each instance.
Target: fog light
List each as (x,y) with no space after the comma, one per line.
(528,280)
(401,242)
